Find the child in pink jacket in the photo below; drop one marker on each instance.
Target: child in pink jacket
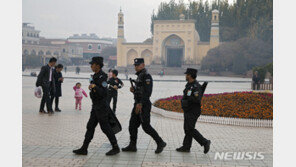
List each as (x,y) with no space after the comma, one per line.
(79,92)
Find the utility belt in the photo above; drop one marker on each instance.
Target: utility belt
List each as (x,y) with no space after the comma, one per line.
(138,94)
(112,89)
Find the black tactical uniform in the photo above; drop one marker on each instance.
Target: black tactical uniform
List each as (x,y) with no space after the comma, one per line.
(99,112)
(113,93)
(142,93)
(191,105)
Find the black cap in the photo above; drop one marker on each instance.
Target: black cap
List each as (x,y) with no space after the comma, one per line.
(191,71)
(138,61)
(98,60)
(115,72)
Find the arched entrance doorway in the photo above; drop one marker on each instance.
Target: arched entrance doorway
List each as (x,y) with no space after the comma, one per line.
(147,55)
(131,55)
(173,47)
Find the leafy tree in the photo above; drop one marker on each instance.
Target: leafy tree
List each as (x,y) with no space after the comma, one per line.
(238,56)
(243,18)
(108,51)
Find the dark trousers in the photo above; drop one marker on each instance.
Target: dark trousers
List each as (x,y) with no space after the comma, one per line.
(190,120)
(56,101)
(112,95)
(95,118)
(144,118)
(46,98)
(256,86)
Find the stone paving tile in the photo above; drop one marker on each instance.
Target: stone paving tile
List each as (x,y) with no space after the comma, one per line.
(49,140)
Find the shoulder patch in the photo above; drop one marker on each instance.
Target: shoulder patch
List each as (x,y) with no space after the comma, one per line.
(104,84)
(195,93)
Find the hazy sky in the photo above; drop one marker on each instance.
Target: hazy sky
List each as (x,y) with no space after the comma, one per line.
(63,18)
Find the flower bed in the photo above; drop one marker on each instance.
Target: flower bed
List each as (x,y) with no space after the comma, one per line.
(251,105)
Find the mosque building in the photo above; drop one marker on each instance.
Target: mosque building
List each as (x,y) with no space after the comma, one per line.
(175,43)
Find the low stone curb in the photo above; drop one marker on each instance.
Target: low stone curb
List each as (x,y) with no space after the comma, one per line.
(217,120)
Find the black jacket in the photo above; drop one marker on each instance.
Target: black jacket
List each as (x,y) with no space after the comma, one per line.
(43,76)
(192,96)
(98,94)
(114,81)
(144,86)
(58,84)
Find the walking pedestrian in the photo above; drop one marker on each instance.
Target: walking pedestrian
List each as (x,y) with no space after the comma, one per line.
(45,79)
(142,107)
(58,78)
(114,84)
(100,109)
(79,92)
(191,105)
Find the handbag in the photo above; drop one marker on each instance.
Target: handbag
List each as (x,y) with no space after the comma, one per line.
(38,92)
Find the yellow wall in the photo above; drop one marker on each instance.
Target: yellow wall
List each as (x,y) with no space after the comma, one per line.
(185,29)
(194,49)
(202,51)
(138,47)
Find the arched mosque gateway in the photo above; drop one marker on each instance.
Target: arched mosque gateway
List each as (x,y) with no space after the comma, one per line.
(175,43)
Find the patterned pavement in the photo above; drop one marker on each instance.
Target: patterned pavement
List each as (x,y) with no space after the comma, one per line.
(48,140)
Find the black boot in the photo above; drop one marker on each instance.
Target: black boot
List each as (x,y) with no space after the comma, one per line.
(160,147)
(115,150)
(183,149)
(82,150)
(207,146)
(131,147)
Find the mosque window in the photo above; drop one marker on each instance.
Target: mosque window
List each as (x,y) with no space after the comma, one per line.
(99,46)
(215,17)
(89,46)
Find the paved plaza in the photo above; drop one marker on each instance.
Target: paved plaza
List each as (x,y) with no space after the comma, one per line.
(48,140)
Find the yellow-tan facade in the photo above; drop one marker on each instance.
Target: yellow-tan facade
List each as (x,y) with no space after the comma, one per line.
(175,43)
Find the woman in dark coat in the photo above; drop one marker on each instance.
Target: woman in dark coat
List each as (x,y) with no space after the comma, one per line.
(58,78)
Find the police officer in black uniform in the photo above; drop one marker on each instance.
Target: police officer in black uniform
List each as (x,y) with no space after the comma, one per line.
(191,105)
(100,108)
(114,84)
(142,107)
